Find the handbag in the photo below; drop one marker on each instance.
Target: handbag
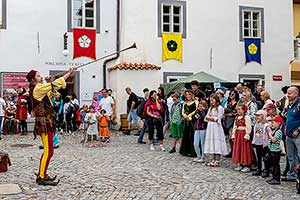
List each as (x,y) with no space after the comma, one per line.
(4,161)
(267,157)
(227,122)
(282,148)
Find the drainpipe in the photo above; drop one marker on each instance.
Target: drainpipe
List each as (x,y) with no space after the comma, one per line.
(117,45)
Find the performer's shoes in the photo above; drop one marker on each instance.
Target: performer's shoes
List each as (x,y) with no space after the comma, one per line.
(45,181)
(47,178)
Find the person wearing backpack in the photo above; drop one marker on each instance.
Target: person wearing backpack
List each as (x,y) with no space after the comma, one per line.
(176,120)
(141,114)
(132,104)
(75,104)
(68,110)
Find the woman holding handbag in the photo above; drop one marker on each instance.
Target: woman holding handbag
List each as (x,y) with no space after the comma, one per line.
(154,111)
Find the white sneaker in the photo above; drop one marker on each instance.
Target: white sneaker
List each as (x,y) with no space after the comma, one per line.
(238,168)
(201,160)
(196,159)
(162,148)
(245,169)
(152,147)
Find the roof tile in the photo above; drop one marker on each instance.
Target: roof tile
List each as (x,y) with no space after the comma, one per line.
(134,66)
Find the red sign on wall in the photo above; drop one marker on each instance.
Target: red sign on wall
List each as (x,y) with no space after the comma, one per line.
(277,77)
(14,80)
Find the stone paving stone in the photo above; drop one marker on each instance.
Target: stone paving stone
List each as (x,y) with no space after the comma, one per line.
(126,170)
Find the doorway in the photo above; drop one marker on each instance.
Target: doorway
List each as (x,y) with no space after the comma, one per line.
(73,83)
(254,80)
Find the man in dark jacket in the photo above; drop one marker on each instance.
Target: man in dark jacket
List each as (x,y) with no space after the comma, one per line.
(197,91)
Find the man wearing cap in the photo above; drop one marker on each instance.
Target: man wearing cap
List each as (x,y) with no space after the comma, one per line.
(293,131)
(197,91)
(41,95)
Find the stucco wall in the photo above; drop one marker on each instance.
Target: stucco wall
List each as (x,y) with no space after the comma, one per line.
(135,79)
(18,43)
(214,24)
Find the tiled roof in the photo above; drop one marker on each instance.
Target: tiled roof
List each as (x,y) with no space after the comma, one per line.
(134,66)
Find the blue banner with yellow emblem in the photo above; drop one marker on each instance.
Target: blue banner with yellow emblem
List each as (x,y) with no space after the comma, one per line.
(253,50)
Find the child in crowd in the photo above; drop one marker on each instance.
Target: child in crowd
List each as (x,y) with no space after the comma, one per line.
(260,143)
(200,130)
(176,125)
(10,120)
(271,112)
(103,122)
(83,111)
(91,120)
(215,144)
(242,150)
(274,145)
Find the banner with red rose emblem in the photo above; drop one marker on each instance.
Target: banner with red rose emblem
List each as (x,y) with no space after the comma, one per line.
(84,43)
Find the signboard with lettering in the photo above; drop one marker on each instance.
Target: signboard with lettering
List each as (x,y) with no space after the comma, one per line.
(217,85)
(277,77)
(13,80)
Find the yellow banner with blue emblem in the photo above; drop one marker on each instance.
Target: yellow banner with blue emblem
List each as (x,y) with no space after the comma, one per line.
(171,46)
(253,50)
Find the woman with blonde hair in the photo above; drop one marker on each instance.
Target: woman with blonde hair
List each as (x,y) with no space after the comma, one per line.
(266,97)
(188,111)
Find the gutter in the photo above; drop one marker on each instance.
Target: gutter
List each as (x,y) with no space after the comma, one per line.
(117,45)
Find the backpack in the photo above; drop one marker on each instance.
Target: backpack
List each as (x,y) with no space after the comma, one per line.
(140,109)
(76,107)
(139,100)
(70,108)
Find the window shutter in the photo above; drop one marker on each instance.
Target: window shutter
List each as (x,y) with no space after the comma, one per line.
(69,16)
(4,14)
(98,16)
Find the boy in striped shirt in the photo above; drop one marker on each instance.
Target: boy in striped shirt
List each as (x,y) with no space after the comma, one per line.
(274,145)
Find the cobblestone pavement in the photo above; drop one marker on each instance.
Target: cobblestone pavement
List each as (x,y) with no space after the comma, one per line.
(127,170)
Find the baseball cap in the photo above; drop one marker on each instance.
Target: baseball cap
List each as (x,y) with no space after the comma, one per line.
(278,119)
(261,112)
(270,106)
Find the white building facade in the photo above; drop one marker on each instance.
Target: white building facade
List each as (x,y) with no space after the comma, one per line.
(213,41)
(32,37)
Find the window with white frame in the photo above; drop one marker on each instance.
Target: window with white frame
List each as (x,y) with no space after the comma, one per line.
(169,77)
(171,20)
(84,13)
(171,17)
(251,22)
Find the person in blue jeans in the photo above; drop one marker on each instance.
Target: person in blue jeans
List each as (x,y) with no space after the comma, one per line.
(293,132)
(200,130)
(145,125)
(142,133)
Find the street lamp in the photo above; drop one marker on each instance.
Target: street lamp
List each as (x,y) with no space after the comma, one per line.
(65,51)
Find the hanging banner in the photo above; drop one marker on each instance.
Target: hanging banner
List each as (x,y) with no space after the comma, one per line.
(171,46)
(253,50)
(84,43)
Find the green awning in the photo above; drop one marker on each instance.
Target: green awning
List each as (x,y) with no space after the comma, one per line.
(201,77)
